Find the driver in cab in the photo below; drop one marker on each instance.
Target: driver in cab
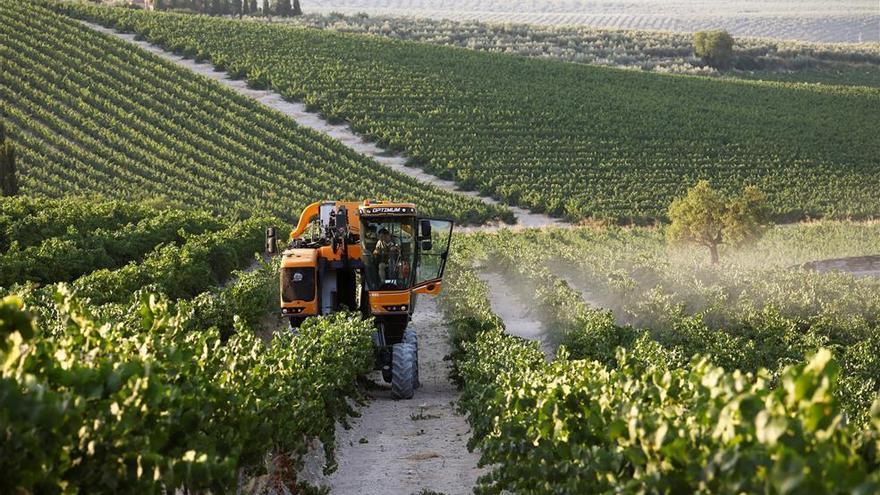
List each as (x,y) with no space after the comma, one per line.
(384,250)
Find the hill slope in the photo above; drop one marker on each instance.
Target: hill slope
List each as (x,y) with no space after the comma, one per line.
(92,114)
(563,138)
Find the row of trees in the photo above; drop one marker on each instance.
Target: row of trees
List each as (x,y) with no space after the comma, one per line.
(8,175)
(233,7)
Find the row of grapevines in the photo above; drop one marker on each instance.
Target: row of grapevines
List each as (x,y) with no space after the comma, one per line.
(75,253)
(140,403)
(183,271)
(642,423)
(746,320)
(248,297)
(27,221)
(93,114)
(567,139)
(127,420)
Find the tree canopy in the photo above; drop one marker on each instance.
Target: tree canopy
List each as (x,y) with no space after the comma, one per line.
(707,217)
(714,47)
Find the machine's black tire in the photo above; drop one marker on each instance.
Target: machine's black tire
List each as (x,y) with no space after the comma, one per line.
(410,337)
(402,371)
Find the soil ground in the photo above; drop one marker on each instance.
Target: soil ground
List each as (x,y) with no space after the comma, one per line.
(515,311)
(406,446)
(859,266)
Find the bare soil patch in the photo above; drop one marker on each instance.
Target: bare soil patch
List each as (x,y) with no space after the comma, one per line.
(515,310)
(860,266)
(406,446)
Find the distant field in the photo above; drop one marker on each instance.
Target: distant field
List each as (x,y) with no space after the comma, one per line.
(849,21)
(561,138)
(644,50)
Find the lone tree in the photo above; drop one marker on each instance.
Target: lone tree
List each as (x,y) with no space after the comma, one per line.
(8,174)
(714,47)
(705,216)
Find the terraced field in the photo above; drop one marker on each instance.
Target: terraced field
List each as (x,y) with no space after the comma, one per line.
(94,115)
(570,140)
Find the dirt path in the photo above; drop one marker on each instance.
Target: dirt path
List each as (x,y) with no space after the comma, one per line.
(343,133)
(514,311)
(589,295)
(406,446)
(859,266)
(253,266)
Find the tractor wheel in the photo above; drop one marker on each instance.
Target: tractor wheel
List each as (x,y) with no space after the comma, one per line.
(410,337)
(402,371)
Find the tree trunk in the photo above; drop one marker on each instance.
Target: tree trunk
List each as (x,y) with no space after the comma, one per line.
(713,251)
(297,10)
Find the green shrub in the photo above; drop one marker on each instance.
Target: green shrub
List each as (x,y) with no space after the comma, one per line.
(715,47)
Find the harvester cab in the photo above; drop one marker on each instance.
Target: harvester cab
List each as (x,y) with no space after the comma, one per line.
(375,257)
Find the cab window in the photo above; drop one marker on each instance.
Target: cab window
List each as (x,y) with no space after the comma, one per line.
(388,252)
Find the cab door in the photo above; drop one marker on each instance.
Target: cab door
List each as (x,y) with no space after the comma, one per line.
(435,235)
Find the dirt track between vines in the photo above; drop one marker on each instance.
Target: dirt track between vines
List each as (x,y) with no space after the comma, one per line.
(340,132)
(859,266)
(406,446)
(516,312)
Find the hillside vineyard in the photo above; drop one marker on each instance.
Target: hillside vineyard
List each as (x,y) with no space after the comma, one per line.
(91,114)
(561,138)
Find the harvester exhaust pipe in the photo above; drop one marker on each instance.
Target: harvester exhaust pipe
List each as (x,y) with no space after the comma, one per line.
(271,242)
